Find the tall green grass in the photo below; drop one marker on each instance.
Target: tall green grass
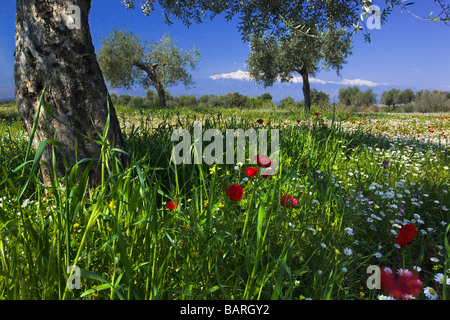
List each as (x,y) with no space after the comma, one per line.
(128,245)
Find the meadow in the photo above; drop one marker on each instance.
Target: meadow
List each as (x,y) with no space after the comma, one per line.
(346,185)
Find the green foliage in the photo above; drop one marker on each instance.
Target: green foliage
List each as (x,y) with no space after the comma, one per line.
(151,96)
(391,97)
(265,97)
(261,15)
(124,99)
(172,62)
(287,102)
(367,98)
(7,103)
(137,102)
(406,96)
(234,100)
(189,101)
(395,97)
(272,59)
(125,61)
(319,98)
(227,101)
(348,95)
(211,100)
(432,101)
(119,51)
(353,96)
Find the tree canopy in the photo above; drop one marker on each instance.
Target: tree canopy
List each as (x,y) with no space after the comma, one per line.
(354,96)
(278,16)
(126,61)
(273,59)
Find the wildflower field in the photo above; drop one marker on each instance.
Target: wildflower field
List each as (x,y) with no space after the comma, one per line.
(345,187)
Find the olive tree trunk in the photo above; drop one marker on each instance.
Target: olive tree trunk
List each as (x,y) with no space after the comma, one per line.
(161,94)
(54,51)
(151,74)
(306,90)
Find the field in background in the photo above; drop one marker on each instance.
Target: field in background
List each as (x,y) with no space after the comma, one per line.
(357,179)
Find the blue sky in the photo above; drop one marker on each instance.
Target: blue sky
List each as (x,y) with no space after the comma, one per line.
(405,53)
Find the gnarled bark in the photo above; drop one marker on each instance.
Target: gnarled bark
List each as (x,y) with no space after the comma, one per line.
(306,89)
(51,55)
(151,73)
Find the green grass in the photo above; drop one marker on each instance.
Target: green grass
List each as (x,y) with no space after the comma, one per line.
(128,245)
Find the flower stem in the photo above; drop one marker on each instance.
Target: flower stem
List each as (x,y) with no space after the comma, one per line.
(403,258)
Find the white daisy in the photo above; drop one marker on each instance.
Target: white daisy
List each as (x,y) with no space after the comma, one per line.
(383,297)
(348,231)
(430,293)
(387,270)
(348,251)
(404,272)
(440,278)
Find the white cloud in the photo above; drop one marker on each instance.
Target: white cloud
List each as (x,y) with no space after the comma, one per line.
(244,75)
(349,82)
(297,79)
(237,75)
(359,82)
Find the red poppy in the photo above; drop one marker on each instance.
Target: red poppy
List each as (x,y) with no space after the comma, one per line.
(235,192)
(260,120)
(171,205)
(407,233)
(317,113)
(251,171)
(401,286)
(263,161)
(267,173)
(288,201)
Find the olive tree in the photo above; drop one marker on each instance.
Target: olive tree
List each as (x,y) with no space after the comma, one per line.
(354,96)
(319,98)
(391,97)
(125,61)
(406,96)
(349,95)
(278,58)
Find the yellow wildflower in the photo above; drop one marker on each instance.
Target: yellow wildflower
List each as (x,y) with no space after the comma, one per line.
(112,204)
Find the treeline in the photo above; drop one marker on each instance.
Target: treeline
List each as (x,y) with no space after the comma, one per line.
(229,100)
(394,100)
(421,101)
(7,103)
(351,99)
